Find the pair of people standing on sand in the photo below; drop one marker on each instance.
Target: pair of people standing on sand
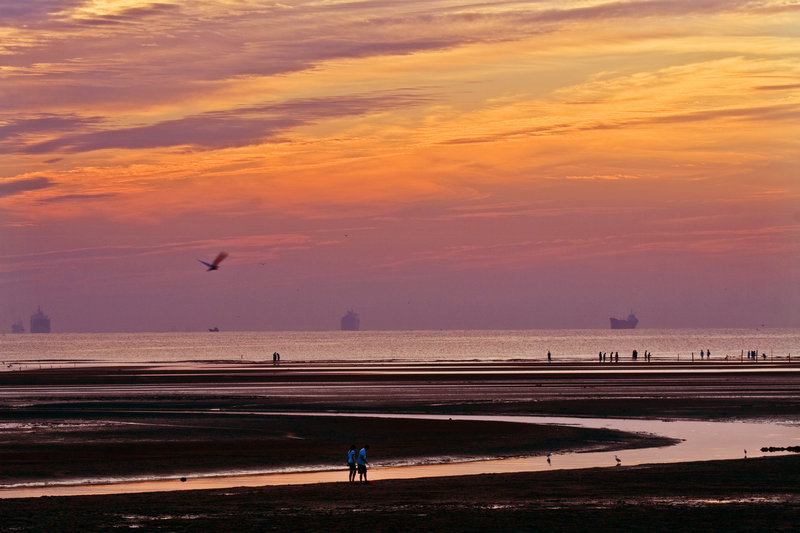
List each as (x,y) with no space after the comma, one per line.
(357,463)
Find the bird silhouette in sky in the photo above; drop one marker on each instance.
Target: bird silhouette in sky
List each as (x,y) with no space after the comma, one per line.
(215,264)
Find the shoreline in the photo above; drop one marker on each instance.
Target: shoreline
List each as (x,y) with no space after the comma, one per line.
(163,444)
(708,391)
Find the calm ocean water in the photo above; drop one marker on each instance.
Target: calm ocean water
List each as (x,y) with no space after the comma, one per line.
(392,346)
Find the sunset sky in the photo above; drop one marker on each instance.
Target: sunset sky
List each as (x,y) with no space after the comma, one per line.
(435,164)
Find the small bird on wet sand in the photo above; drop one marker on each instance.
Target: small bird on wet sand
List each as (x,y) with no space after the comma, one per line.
(548,457)
(214,265)
(619,461)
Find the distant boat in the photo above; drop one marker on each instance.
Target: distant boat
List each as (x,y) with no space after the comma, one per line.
(213,330)
(629,323)
(351,321)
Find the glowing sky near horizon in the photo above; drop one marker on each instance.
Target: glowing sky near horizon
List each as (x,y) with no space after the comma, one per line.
(432,164)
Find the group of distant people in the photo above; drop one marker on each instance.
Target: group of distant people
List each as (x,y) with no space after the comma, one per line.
(613,357)
(276,358)
(357,461)
(703,353)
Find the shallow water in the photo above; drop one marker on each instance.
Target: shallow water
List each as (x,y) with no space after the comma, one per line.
(700,441)
(62,349)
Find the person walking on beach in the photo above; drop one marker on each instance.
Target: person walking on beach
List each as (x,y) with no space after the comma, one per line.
(351,462)
(549,358)
(361,464)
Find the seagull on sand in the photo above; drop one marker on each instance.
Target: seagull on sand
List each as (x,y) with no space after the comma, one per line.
(619,461)
(215,264)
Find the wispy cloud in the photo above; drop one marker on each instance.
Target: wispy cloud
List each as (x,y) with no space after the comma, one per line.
(33,10)
(782,87)
(43,124)
(19,186)
(76,197)
(220,129)
(129,14)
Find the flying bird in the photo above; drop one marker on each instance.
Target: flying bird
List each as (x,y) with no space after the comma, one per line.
(215,264)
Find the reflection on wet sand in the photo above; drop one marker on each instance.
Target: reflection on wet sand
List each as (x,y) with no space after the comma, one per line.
(699,441)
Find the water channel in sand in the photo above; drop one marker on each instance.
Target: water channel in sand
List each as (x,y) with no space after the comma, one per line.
(699,441)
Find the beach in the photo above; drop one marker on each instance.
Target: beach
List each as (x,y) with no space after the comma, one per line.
(191,420)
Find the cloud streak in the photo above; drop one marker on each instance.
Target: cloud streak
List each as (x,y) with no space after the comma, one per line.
(182,44)
(19,186)
(222,129)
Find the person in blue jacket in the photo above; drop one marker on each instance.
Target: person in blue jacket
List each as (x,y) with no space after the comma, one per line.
(361,464)
(351,462)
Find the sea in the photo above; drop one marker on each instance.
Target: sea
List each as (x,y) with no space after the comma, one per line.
(70,349)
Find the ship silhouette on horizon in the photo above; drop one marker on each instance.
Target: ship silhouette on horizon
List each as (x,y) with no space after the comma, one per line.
(351,321)
(40,322)
(629,323)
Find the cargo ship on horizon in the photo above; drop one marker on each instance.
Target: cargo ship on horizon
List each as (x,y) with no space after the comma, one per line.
(40,322)
(351,321)
(629,323)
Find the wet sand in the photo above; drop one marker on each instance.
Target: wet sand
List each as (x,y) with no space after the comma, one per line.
(731,496)
(160,420)
(107,442)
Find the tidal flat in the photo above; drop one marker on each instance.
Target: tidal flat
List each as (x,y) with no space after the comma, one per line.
(153,421)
